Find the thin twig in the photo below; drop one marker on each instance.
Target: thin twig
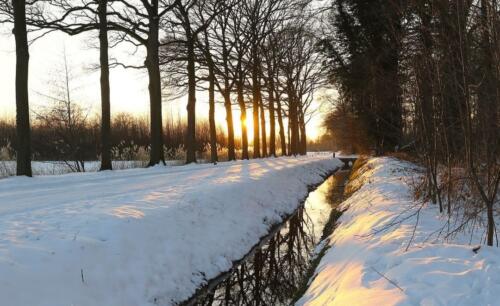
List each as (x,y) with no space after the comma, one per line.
(389,280)
(414,229)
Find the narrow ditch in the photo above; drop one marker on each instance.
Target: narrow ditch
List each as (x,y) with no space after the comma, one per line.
(276,271)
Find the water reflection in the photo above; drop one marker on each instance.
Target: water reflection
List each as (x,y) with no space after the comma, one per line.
(278,270)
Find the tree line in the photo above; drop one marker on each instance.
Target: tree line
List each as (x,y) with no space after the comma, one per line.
(258,54)
(424,77)
(53,140)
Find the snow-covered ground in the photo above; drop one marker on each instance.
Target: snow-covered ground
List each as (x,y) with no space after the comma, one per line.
(140,236)
(8,168)
(370,263)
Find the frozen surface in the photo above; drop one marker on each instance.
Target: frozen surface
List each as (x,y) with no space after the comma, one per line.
(368,263)
(140,236)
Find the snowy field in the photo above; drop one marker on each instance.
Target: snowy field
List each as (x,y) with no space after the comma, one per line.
(140,236)
(372,263)
(8,168)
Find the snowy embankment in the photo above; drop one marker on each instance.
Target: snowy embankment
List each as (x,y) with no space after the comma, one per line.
(370,262)
(140,236)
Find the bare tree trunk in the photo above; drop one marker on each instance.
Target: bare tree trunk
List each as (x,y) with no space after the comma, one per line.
(23,156)
(303,135)
(424,106)
(272,121)
(191,105)
(153,67)
(256,95)
(289,135)
(211,116)
(105,92)
(243,119)
(491,224)
(293,122)
(488,100)
(281,128)
(263,127)
(230,126)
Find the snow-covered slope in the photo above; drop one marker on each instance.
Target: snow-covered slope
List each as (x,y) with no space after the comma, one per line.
(368,264)
(141,236)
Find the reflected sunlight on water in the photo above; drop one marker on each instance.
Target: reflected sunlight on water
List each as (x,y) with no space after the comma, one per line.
(277,271)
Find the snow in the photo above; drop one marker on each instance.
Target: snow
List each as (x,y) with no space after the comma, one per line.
(140,236)
(343,155)
(368,264)
(8,168)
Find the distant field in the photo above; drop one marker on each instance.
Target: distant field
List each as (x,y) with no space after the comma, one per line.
(8,168)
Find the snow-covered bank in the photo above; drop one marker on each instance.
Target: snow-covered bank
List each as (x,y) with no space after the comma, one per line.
(368,264)
(140,236)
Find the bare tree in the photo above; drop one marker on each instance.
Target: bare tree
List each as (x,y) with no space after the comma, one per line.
(139,22)
(67,120)
(220,42)
(189,19)
(17,10)
(270,55)
(105,91)
(240,69)
(23,155)
(426,73)
(207,51)
(75,17)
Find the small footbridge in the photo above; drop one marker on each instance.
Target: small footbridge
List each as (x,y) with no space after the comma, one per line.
(348,160)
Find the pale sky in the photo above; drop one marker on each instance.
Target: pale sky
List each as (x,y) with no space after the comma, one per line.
(129,87)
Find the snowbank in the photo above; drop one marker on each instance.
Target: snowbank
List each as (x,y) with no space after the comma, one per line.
(368,263)
(140,236)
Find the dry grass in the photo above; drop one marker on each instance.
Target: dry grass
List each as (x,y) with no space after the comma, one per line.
(357,171)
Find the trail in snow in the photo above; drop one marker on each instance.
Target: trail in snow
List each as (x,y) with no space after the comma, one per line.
(140,236)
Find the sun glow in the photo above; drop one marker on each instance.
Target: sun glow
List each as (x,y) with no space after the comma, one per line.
(313,128)
(129,91)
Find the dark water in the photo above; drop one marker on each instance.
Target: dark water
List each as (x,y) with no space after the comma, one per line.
(276,272)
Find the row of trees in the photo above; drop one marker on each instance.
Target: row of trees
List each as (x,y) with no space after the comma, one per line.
(425,76)
(54,139)
(259,54)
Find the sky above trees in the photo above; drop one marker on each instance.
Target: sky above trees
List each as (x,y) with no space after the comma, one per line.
(129,87)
